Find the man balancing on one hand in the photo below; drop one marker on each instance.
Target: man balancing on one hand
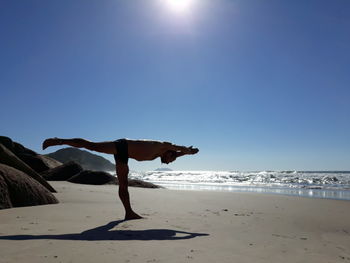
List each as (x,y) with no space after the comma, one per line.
(140,150)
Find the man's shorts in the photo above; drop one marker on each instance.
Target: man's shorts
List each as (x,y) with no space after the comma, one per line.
(122,155)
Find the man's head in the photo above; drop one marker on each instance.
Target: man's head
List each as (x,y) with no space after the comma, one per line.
(168,157)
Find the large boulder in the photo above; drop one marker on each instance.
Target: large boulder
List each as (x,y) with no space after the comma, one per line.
(37,162)
(8,158)
(92,177)
(50,162)
(5,200)
(99,178)
(15,147)
(63,172)
(143,184)
(18,189)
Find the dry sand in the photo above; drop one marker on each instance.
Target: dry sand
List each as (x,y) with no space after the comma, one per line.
(180,226)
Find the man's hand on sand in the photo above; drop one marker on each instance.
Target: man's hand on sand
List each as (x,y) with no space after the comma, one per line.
(51,142)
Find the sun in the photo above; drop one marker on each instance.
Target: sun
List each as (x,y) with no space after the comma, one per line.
(179,6)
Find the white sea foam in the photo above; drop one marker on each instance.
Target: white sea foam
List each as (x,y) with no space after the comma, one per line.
(260,178)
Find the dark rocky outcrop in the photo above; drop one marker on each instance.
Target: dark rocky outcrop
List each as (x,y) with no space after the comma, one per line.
(15,147)
(87,160)
(17,189)
(37,162)
(99,178)
(143,184)
(92,177)
(50,162)
(5,200)
(10,159)
(63,172)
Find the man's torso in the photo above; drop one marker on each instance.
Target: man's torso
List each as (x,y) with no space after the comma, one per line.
(143,150)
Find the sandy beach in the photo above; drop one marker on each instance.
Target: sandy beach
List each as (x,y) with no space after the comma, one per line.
(179,226)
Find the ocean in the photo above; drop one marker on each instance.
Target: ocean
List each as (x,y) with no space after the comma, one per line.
(316,184)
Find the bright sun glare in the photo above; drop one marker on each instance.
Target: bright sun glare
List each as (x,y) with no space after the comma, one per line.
(179,6)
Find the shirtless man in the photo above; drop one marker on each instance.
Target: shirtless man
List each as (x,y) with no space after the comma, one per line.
(123,149)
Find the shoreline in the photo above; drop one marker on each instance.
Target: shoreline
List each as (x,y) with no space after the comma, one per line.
(179,226)
(333,194)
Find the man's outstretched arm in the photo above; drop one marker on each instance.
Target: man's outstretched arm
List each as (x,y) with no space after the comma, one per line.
(182,150)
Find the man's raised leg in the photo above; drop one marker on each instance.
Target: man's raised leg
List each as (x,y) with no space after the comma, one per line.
(103,147)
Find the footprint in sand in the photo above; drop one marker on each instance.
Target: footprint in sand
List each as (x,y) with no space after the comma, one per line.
(340,248)
(242,214)
(213,212)
(282,236)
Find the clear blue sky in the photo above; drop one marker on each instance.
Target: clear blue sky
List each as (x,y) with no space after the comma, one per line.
(254,84)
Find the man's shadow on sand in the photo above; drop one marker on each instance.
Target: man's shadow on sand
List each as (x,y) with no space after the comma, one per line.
(102,233)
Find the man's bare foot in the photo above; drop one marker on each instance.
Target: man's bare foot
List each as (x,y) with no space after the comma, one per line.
(51,142)
(132,215)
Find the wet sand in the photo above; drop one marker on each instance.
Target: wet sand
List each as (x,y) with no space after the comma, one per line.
(179,226)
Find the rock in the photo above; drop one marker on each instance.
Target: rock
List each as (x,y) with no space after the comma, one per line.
(91,177)
(19,189)
(62,172)
(15,147)
(136,183)
(50,162)
(37,162)
(5,201)
(140,183)
(7,142)
(33,162)
(99,178)
(8,158)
